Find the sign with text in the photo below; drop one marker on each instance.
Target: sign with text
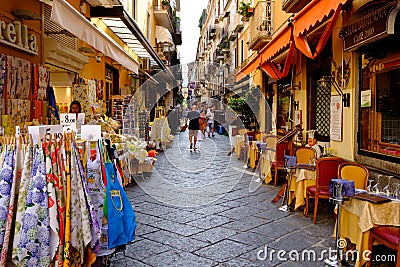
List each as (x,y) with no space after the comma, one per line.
(67,118)
(336,118)
(371,22)
(41,131)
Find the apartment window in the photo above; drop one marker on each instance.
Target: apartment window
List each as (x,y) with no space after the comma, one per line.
(241,51)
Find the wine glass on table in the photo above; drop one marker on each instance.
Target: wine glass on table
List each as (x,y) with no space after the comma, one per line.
(376,187)
(369,187)
(386,189)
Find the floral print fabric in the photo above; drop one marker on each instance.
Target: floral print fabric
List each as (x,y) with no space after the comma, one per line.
(6,182)
(23,193)
(9,227)
(34,243)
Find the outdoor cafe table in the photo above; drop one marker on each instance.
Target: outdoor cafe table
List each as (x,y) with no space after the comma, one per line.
(300,180)
(358,217)
(266,158)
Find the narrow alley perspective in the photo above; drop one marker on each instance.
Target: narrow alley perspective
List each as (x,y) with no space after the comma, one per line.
(197,209)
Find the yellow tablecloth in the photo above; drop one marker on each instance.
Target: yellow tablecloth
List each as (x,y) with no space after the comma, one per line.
(265,168)
(238,142)
(299,182)
(357,217)
(253,154)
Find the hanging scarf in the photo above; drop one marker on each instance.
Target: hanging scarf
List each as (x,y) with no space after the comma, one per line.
(80,234)
(6,182)
(20,153)
(23,193)
(34,243)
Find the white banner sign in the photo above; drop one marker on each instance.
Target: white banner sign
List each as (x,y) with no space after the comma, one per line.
(336,118)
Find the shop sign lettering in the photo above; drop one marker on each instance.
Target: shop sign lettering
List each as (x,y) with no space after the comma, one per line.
(17,35)
(369,23)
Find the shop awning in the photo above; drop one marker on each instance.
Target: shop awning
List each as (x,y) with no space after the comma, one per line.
(70,19)
(280,42)
(311,16)
(125,27)
(163,35)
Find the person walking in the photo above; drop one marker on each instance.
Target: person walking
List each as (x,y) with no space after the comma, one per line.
(194,126)
(210,121)
(203,123)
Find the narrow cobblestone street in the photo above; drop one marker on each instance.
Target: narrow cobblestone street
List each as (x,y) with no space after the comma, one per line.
(196,209)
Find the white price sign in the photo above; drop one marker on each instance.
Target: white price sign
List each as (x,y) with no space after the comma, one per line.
(91,132)
(67,118)
(69,128)
(41,131)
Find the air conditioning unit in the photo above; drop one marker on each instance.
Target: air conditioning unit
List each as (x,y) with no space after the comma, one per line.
(145,64)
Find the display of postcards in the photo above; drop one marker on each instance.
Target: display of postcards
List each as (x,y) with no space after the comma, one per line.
(20,110)
(43,82)
(3,62)
(11,78)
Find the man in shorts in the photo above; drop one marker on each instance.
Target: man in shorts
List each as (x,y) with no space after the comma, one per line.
(194,126)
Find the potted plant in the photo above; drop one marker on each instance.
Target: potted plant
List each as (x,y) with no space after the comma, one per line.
(245,10)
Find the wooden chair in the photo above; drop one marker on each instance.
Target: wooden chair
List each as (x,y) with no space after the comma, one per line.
(326,170)
(355,172)
(278,163)
(305,154)
(388,236)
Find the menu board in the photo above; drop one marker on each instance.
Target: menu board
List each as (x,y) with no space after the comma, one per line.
(336,118)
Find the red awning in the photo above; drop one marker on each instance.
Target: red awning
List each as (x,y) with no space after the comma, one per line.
(280,42)
(313,15)
(310,17)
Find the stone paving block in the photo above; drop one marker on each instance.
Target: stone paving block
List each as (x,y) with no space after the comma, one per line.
(146,219)
(237,213)
(210,221)
(142,229)
(182,216)
(239,262)
(275,229)
(295,241)
(126,261)
(224,250)
(145,248)
(215,235)
(245,223)
(179,228)
(212,209)
(251,238)
(176,241)
(178,258)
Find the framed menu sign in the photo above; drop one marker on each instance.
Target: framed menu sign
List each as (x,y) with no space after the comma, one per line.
(336,118)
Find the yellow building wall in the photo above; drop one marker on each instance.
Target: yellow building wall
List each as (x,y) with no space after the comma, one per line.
(345,148)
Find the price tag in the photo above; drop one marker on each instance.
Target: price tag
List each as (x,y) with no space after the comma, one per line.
(91,132)
(67,118)
(41,131)
(69,128)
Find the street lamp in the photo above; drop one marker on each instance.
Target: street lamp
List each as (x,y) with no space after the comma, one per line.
(326,81)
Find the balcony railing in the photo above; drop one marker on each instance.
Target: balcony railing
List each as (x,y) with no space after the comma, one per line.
(261,27)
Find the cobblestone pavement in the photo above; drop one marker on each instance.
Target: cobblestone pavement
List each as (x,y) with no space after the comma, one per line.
(196,209)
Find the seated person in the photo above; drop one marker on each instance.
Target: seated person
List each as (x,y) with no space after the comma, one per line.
(312,142)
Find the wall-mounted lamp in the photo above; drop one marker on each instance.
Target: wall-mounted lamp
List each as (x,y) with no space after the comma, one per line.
(326,81)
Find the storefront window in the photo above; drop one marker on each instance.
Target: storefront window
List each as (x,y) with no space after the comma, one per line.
(380,111)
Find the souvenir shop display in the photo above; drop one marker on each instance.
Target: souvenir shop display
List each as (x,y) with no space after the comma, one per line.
(160,132)
(62,202)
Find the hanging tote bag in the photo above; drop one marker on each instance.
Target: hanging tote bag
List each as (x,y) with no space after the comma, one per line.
(121,217)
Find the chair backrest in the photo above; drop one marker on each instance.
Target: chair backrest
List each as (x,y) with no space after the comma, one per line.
(280,151)
(305,154)
(327,169)
(354,172)
(271,141)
